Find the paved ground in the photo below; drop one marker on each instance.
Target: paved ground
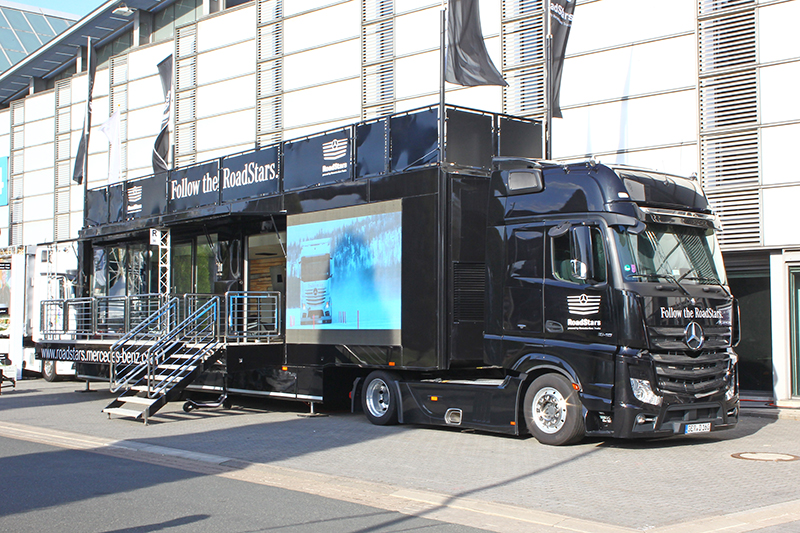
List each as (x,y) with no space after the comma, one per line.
(495,483)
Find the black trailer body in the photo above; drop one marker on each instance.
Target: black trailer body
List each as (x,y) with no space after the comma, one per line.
(459,283)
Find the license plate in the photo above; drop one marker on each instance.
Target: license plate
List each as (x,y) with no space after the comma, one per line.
(697,428)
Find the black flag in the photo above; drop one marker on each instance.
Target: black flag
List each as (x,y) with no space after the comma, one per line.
(161,147)
(83,144)
(561,14)
(468,63)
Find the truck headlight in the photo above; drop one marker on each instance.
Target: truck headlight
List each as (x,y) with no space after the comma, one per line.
(644,392)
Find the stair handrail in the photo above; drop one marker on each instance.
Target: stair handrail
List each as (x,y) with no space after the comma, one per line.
(198,331)
(142,338)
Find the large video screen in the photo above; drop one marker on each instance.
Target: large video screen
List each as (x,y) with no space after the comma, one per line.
(343,275)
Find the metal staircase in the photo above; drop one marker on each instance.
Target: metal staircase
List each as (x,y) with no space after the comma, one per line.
(155,361)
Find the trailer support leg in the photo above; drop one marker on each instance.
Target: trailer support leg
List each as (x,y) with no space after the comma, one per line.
(312,413)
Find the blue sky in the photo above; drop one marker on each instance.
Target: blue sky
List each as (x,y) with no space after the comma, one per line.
(74,7)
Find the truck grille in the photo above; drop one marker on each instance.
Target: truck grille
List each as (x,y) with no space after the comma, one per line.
(672,338)
(698,376)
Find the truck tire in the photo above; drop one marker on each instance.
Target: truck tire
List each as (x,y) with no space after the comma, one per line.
(379,400)
(553,411)
(49,371)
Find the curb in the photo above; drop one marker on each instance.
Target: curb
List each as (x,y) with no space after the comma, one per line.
(773,413)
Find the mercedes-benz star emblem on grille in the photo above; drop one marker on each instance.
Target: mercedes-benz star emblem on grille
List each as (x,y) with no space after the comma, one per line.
(583,304)
(693,336)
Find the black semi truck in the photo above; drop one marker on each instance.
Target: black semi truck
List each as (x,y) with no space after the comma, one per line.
(475,285)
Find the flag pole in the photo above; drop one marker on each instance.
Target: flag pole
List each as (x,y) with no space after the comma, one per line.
(442,67)
(87,111)
(548,86)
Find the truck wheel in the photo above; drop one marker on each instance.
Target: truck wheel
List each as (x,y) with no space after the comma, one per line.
(553,411)
(49,371)
(378,400)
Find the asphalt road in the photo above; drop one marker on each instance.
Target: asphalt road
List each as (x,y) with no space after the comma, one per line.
(45,488)
(449,478)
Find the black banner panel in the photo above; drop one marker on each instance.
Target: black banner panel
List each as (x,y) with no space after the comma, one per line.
(520,138)
(116,203)
(193,187)
(146,197)
(97,207)
(316,160)
(250,175)
(414,139)
(372,148)
(470,139)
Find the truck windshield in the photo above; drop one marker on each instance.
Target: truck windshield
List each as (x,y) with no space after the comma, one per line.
(315,268)
(671,251)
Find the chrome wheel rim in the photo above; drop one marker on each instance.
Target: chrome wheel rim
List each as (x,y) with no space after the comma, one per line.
(378,398)
(549,410)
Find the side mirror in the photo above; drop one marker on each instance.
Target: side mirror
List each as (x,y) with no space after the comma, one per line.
(582,263)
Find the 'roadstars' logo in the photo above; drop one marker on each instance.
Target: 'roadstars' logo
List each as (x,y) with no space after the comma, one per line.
(693,336)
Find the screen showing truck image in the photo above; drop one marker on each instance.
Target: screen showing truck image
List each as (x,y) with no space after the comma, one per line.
(344,275)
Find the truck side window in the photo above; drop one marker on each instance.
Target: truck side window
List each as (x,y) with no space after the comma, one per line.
(563,254)
(525,254)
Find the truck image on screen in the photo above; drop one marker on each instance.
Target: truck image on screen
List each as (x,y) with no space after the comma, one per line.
(316,271)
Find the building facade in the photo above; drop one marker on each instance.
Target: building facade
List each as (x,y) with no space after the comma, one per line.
(686,86)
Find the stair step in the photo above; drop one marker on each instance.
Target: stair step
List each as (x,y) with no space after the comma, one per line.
(139,388)
(137,400)
(122,412)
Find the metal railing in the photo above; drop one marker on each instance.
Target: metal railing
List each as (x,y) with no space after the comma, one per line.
(132,351)
(194,338)
(252,316)
(248,316)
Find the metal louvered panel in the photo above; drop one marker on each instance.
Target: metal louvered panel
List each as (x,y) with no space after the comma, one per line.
(186,77)
(525,92)
(17,112)
(378,83)
(727,42)
(62,147)
(729,100)
(523,42)
(16,212)
(16,188)
(62,227)
(63,174)
(269,11)
(270,78)
(119,98)
(16,235)
(522,37)
(376,111)
(739,212)
(119,70)
(270,41)
(186,41)
(518,8)
(186,106)
(730,161)
(377,42)
(710,7)
(62,201)
(17,166)
(270,115)
(63,93)
(185,141)
(372,10)
(64,120)
(18,139)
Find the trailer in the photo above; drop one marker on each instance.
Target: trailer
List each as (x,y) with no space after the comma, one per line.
(28,275)
(476,285)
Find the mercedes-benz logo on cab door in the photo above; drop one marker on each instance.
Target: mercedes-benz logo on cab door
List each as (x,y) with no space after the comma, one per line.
(693,336)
